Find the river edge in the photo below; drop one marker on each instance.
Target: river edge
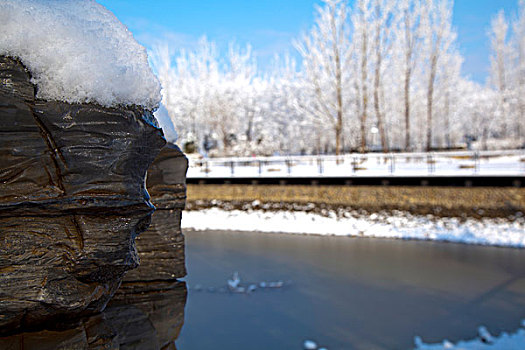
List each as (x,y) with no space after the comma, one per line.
(496,232)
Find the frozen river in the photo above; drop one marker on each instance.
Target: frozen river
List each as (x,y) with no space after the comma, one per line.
(346,293)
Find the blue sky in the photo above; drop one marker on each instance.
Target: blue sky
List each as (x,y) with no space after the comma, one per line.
(271,25)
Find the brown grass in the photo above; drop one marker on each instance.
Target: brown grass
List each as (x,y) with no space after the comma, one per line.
(445,201)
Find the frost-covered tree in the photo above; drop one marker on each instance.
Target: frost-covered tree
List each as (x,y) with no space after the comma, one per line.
(288,128)
(383,25)
(325,51)
(408,41)
(500,60)
(209,97)
(450,97)
(508,76)
(477,110)
(518,45)
(386,69)
(439,38)
(361,39)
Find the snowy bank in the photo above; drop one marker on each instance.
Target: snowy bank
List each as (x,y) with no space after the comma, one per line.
(505,341)
(402,225)
(78,51)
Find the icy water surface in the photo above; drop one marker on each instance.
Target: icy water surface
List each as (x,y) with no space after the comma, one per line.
(346,293)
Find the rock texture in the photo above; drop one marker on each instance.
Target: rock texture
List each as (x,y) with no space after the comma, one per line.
(141,320)
(162,302)
(72,201)
(161,247)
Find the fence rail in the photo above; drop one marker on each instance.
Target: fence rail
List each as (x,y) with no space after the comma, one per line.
(465,163)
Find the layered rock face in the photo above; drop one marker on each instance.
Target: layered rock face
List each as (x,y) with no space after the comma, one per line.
(72,201)
(161,247)
(161,303)
(141,320)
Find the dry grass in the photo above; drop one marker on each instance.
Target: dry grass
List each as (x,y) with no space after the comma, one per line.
(446,201)
(460,157)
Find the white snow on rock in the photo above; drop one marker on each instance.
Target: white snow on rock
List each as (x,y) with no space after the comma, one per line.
(494,232)
(78,51)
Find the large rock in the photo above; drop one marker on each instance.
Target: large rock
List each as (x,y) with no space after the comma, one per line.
(162,302)
(72,201)
(141,320)
(161,247)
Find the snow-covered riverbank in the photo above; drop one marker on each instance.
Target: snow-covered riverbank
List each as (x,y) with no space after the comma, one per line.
(514,341)
(401,225)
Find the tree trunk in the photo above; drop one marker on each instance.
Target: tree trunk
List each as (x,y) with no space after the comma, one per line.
(407,109)
(339,92)
(521,97)
(408,74)
(251,115)
(430,101)
(448,142)
(338,133)
(364,78)
(377,83)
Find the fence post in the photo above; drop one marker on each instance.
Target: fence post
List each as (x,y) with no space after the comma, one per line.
(476,162)
(320,165)
(260,168)
(392,163)
(232,167)
(430,162)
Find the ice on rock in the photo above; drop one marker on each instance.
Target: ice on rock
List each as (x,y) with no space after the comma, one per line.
(165,122)
(78,51)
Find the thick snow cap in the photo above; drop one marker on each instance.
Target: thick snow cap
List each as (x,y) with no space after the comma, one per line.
(78,51)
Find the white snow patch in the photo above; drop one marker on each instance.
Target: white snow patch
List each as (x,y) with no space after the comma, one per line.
(78,51)
(496,232)
(505,341)
(309,345)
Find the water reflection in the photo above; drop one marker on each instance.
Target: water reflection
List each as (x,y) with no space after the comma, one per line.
(347,293)
(141,316)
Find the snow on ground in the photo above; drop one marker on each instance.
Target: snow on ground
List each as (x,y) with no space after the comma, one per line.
(78,51)
(511,163)
(401,225)
(505,341)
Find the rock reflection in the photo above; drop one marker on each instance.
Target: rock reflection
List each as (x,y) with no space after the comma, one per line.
(142,316)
